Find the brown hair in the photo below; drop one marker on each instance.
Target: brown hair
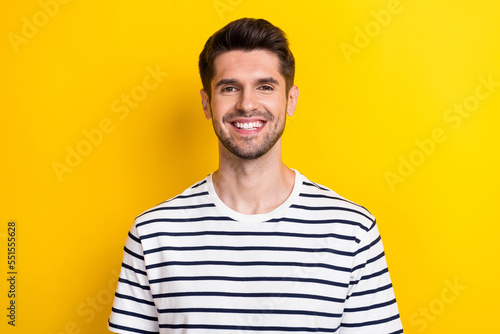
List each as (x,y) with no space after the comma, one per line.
(246,34)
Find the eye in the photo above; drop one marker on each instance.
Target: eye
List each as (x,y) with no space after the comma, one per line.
(267,88)
(228,89)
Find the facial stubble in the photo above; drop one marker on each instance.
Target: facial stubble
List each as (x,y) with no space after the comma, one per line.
(248,150)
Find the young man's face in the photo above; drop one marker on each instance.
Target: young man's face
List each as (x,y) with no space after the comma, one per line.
(249,102)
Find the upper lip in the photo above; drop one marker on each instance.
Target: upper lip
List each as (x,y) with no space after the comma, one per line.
(247,120)
(253,116)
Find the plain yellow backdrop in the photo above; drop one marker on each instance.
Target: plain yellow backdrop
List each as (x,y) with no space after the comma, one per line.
(101,119)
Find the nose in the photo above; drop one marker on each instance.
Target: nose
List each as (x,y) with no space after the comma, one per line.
(247,101)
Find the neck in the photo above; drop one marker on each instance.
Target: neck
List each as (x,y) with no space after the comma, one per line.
(253,186)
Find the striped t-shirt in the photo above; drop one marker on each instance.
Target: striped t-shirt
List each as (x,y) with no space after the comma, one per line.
(316,263)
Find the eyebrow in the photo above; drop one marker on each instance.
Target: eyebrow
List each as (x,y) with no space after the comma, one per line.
(268,80)
(225,82)
(234,81)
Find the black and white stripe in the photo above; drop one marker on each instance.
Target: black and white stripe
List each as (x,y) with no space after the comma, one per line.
(315,264)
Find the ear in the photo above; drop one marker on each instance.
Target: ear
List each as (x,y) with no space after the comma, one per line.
(205,103)
(293,95)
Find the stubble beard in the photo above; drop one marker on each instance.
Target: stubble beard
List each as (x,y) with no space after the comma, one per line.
(248,150)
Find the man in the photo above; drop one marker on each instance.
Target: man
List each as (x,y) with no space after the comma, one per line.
(255,247)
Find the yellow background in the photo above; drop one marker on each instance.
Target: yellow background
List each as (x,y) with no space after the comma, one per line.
(360,115)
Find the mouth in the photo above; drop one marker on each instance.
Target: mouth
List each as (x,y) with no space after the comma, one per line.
(248,126)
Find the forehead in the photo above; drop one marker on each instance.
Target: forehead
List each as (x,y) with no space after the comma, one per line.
(247,64)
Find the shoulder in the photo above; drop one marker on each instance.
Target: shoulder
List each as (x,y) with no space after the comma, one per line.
(194,197)
(321,199)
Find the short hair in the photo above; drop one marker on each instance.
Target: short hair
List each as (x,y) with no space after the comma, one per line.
(246,34)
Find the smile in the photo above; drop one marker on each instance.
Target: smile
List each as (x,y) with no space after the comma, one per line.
(249,125)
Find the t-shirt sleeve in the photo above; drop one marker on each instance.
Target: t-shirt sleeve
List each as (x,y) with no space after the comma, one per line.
(133,308)
(371,305)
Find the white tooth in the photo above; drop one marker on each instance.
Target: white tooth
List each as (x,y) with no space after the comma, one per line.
(248,126)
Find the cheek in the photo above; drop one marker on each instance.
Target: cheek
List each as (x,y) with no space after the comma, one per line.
(276,105)
(222,106)
(218,112)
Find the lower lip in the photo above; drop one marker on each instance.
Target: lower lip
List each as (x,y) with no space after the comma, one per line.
(248,132)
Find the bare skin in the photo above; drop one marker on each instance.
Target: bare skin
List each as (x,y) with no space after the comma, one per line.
(248,108)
